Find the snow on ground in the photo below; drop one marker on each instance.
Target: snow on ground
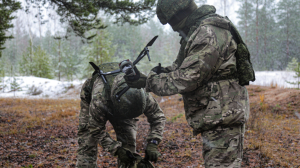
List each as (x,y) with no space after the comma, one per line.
(34,87)
(266,78)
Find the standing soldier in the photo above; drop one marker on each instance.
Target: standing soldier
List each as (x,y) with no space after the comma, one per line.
(98,105)
(211,69)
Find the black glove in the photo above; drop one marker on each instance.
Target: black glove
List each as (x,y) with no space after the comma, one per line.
(152,153)
(125,155)
(136,81)
(159,69)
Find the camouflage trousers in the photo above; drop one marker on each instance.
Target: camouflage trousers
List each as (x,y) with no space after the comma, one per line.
(87,150)
(223,147)
(86,153)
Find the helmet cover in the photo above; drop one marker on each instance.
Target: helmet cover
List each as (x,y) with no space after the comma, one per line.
(132,103)
(166,9)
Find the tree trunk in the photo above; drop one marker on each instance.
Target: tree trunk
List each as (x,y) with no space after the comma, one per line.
(265,27)
(246,23)
(256,28)
(59,59)
(287,35)
(31,45)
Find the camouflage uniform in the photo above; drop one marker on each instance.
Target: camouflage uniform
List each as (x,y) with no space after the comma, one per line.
(205,74)
(94,115)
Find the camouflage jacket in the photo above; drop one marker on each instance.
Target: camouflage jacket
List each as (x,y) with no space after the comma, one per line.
(96,113)
(203,74)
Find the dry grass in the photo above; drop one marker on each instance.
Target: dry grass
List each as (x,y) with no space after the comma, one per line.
(28,113)
(273,85)
(275,131)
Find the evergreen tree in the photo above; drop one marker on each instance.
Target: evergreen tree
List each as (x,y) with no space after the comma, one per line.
(99,51)
(2,74)
(267,54)
(71,65)
(269,28)
(288,20)
(15,86)
(296,69)
(41,64)
(82,16)
(70,61)
(129,40)
(292,65)
(26,63)
(57,57)
(7,7)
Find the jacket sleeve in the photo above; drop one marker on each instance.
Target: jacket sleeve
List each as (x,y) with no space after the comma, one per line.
(156,118)
(98,119)
(196,68)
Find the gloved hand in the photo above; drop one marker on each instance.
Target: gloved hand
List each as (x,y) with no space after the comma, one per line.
(159,69)
(125,155)
(152,153)
(145,164)
(137,81)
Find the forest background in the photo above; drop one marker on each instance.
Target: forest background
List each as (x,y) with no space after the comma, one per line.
(39,48)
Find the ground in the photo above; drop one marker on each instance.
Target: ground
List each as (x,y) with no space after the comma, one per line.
(42,132)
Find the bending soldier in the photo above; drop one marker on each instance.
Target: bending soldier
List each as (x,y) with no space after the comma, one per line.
(98,105)
(211,69)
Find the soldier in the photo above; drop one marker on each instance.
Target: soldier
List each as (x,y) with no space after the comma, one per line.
(98,105)
(211,69)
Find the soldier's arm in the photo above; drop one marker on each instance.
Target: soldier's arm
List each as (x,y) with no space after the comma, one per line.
(156,118)
(85,95)
(196,67)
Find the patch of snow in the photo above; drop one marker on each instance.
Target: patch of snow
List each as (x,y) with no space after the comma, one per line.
(266,78)
(49,88)
(54,89)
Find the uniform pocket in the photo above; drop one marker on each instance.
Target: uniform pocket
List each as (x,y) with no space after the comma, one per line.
(235,105)
(213,113)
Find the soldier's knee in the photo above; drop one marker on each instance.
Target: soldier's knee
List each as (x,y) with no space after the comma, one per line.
(82,129)
(224,154)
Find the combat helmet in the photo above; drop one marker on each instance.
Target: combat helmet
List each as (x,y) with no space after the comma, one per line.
(131,104)
(173,11)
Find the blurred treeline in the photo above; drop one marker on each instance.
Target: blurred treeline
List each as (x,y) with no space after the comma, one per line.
(52,56)
(270,28)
